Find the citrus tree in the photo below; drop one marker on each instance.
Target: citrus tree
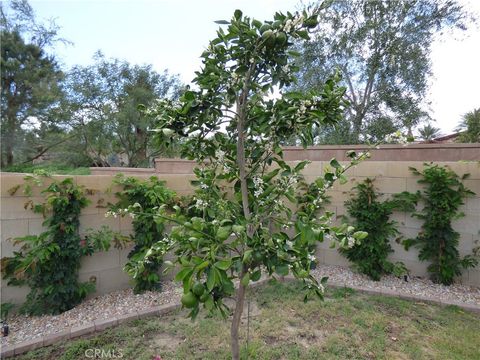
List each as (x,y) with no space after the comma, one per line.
(248,218)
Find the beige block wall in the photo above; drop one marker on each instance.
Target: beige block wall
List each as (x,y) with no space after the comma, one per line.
(394,177)
(106,268)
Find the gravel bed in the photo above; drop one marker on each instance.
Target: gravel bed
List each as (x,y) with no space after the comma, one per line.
(416,286)
(121,302)
(23,328)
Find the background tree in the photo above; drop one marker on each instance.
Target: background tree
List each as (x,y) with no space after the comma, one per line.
(382,49)
(30,80)
(428,132)
(470,127)
(103,102)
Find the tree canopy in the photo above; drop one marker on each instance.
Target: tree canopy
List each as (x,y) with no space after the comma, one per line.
(103,102)
(85,116)
(30,80)
(470,127)
(382,49)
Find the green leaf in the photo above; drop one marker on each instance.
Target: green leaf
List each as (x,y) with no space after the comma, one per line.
(223,264)
(335,164)
(203,265)
(360,235)
(222,22)
(256,275)
(247,255)
(293,53)
(303,34)
(256,23)
(238,229)
(246,279)
(238,14)
(183,274)
(301,165)
(281,269)
(211,279)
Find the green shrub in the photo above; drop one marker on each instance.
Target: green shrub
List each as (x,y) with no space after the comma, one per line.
(146,196)
(49,263)
(58,169)
(373,216)
(442,196)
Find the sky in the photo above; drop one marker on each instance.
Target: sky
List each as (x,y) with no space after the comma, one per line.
(171,34)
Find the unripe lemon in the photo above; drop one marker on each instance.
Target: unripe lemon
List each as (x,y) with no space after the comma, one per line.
(198,289)
(281,39)
(189,300)
(264,28)
(204,297)
(269,38)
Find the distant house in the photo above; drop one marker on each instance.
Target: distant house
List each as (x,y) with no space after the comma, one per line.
(444,139)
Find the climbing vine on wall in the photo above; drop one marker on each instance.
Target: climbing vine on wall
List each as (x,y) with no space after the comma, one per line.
(49,263)
(368,213)
(442,196)
(147,196)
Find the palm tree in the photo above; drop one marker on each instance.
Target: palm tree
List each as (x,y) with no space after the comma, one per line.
(469,127)
(428,132)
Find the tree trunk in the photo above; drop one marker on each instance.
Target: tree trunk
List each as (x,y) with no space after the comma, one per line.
(240,298)
(237,317)
(9,151)
(9,136)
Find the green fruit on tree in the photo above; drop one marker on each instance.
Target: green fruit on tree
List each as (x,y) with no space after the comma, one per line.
(281,39)
(264,28)
(198,289)
(277,24)
(189,300)
(269,38)
(204,297)
(257,256)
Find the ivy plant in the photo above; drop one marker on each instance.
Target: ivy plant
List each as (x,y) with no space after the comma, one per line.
(368,213)
(49,263)
(442,196)
(246,223)
(146,196)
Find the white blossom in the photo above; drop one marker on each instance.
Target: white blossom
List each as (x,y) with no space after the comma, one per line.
(201,204)
(288,25)
(220,155)
(351,242)
(258,182)
(111,213)
(293,180)
(321,288)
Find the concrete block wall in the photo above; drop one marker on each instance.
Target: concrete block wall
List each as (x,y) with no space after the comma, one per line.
(106,268)
(395,177)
